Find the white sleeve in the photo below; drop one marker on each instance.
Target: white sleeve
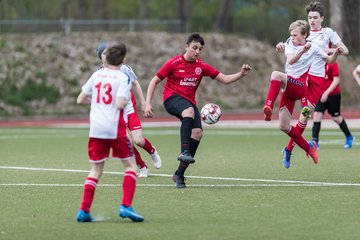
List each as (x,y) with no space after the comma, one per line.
(87,88)
(124,89)
(128,72)
(334,37)
(358,68)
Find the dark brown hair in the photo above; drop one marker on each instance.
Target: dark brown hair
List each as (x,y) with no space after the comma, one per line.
(315,7)
(115,54)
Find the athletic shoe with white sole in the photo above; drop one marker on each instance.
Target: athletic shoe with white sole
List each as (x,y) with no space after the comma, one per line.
(349,142)
(156,159)
(143,172)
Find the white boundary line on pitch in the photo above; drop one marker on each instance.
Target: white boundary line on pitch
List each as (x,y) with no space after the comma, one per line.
(280,182)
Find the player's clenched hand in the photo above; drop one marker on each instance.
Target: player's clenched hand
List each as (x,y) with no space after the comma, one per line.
(148,112)
(339,50)
(280,47)
(245,69)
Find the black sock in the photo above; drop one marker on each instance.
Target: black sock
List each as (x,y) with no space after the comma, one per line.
(181,169)
(193,146)
(185,133)
(343,126)
(316,130)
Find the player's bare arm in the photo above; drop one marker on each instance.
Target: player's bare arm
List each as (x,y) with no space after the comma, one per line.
(230,78)
(121,102)
(139,94)
(332,58)
(83,99)
(293,58)
(149,96)
(356,75)
(340,44)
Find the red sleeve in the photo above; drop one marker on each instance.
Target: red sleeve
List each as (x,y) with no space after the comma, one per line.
(335,69)
(210,71)
(165,70)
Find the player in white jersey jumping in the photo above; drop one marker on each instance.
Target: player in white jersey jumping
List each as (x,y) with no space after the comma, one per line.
(299,56)
(134,124)
(324,37)
(108,92)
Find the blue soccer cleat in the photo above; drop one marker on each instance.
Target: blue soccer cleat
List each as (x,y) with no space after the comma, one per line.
(349,142)
(83,216)
(125,212)
(286,157)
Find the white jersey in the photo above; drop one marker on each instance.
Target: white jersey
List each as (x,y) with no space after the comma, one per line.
(127,70)
(104,86)
(302,66)
(325,38)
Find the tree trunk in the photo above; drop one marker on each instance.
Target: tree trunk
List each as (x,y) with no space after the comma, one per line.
(224,15)
(143,13)
(184,7)
(336,16)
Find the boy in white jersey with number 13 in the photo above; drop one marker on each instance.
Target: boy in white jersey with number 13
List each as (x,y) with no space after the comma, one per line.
(108,92)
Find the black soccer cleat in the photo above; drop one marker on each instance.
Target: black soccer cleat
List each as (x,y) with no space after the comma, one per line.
(180,180)
(186,157)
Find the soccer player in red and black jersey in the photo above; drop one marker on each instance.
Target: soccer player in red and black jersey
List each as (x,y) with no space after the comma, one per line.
(330,100)
(183,74)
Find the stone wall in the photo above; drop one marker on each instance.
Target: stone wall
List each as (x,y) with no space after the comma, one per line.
(46,71)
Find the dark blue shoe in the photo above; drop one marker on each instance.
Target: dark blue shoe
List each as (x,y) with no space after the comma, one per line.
(349,142)
(125,212)
(83,216)
(286,157)
(186,157)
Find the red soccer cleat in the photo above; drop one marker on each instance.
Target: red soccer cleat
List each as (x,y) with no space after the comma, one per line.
(313,152)
(267,113)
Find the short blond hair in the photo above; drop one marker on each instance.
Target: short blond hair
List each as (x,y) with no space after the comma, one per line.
(303,25)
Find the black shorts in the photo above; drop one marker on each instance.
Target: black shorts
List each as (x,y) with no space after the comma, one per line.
(332,105)
(176,104)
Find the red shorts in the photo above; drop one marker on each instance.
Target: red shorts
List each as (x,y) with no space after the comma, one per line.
(99,149)
(295,90)
(134,121)
(314,91)
(133,118)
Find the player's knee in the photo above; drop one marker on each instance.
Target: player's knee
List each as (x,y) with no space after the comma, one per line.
(138,141)
(189,112)
(284,127)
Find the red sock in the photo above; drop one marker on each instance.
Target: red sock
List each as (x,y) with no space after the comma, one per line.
(273,92)
(301,128)
(298,138)
(128,185)
(148,146)
(139,161)
(89,192)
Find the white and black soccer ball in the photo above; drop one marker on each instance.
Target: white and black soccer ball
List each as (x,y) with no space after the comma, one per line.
(210,113)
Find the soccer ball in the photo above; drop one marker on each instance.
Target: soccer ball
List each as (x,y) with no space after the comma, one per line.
(210,113)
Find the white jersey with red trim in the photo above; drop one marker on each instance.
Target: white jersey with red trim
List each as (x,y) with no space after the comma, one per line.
(104,86)
(127,70)
(302,66)
(325,38)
